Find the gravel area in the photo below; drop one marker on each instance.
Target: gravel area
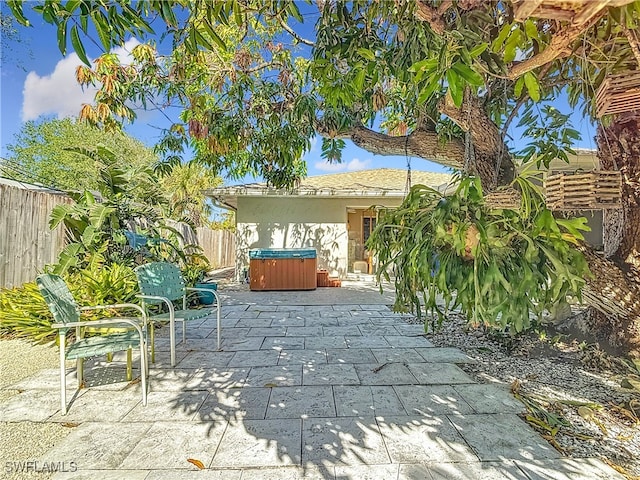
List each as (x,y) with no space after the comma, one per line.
(25,441)
(577,385)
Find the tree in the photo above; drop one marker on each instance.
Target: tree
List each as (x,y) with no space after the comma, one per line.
(42,152)
(185,186)
(63,154)
(441,79)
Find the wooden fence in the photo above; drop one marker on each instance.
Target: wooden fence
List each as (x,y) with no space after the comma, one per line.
(26,242)
(219,246)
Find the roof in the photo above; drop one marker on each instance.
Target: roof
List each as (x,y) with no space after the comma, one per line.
(29,186)
(382,182)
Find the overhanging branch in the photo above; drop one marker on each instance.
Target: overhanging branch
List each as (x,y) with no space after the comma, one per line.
(420,143)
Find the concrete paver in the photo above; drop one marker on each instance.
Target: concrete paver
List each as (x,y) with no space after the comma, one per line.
(487,435)
(354,401)
(343,441)
(256,443)
(432,400)
(235,403)
(301,402)
(328,384)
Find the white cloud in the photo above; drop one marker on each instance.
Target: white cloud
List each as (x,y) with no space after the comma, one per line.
(58,93)
(352,166)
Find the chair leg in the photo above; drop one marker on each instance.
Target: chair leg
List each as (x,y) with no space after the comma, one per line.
(219,324)
(129,366)
(153,343)
(143,370)
(172,340)
(80,371)
(63,378)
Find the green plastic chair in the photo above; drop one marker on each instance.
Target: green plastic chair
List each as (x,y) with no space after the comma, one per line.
(162,283)
(116,334)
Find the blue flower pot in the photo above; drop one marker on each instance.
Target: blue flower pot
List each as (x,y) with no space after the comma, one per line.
(207,298)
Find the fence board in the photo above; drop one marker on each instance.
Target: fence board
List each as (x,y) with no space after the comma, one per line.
(219,246)
(26,243)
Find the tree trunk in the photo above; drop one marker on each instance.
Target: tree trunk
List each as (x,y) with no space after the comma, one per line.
(615,290)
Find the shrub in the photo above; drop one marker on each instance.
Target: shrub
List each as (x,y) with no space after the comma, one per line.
(496,265)
(24,314)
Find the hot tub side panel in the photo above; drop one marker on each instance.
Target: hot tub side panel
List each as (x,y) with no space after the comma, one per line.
(283,274)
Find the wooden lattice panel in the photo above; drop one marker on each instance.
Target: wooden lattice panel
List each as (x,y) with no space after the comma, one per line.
(509,198)
(575,11)
(620,93)
(584,191)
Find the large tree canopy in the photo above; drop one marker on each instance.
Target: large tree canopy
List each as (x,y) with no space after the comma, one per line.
(442,80)
(256,80)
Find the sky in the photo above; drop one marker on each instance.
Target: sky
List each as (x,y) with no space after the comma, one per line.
(37,82)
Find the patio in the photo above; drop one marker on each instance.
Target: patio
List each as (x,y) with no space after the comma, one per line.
(321,385)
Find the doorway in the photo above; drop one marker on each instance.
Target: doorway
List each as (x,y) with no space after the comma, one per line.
(360,224)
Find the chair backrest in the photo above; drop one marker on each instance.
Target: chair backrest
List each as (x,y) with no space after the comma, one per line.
(161,279)
(58,297)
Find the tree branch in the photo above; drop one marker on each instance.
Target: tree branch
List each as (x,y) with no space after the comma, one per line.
(559,47)
(492,162)
(286,27)
(420,143)
(431,15)
(633,42)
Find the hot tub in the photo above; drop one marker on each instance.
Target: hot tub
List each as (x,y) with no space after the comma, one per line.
(282,269)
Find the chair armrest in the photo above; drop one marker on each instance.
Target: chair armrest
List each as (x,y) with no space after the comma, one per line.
(163,299)
(116,306)
(95,323)
(154,297)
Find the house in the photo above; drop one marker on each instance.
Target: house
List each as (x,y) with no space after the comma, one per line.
(335,214)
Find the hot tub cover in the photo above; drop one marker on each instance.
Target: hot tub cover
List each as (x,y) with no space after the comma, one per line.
(264,253)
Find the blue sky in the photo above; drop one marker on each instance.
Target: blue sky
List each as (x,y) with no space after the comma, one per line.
(37,81)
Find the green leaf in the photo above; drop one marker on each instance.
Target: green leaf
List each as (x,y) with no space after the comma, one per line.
(471,76)
(366,53)
(517,88)
(511,45)
(58,214)
(68,258)
(478,50)
(359,79)
(212,33)
(18,13)
(99,214)
(89,235)
(533,87)
(166,12)
(531,29)
(62,37)
(455,88)
(294,12)
(496,45)
(77,45)
(102,27)
(428,90)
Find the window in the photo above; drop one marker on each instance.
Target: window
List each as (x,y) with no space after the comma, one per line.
(368,225)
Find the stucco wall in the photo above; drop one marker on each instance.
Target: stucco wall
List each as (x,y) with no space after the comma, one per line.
(294,222)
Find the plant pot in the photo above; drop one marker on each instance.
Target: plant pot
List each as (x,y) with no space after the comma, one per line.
(207,298)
